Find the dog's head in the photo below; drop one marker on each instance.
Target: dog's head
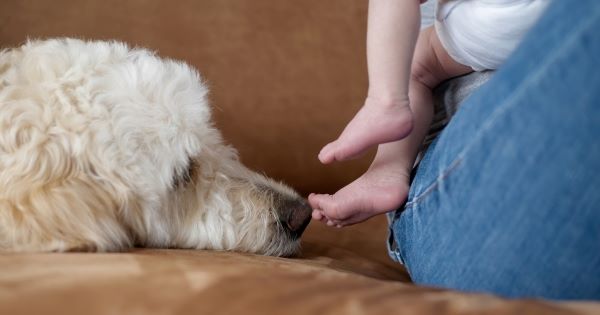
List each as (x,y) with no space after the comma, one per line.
(163,125)
(130,157)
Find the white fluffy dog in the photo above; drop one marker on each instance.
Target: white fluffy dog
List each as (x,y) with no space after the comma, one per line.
(103,148)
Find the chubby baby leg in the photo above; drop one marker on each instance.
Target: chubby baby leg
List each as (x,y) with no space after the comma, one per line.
(431,65)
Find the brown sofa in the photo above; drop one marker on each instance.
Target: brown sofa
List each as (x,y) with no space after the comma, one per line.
(285,76)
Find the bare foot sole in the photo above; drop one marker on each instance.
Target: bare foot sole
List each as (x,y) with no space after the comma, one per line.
(375,123)
(376,192)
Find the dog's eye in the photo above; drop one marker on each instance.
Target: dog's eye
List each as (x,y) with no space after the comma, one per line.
(184,178)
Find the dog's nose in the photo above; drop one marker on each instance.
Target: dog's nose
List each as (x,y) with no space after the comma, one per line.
(294,215)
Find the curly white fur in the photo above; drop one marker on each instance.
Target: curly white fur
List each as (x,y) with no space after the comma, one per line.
(103,147)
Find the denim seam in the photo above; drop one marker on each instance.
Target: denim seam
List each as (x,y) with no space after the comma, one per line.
(502,108)
(434,185)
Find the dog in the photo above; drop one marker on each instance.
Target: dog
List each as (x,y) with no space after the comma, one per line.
(105,147)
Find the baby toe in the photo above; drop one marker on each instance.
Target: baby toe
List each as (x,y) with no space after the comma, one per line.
(317,214)
(326,155)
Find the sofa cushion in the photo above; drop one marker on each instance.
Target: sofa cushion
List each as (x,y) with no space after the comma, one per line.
(339,272)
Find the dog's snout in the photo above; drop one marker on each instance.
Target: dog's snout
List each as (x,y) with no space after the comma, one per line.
(294,215)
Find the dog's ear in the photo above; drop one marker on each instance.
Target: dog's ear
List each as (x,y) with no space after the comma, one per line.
(185,176)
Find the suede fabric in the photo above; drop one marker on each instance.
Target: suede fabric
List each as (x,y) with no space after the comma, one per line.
(338,272)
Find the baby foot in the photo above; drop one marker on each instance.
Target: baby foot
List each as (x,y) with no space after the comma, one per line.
(375,123)
(380,190)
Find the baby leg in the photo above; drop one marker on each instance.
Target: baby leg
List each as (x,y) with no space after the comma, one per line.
(385,116)
(384,186)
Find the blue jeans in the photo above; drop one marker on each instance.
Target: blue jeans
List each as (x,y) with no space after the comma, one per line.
(507,199)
